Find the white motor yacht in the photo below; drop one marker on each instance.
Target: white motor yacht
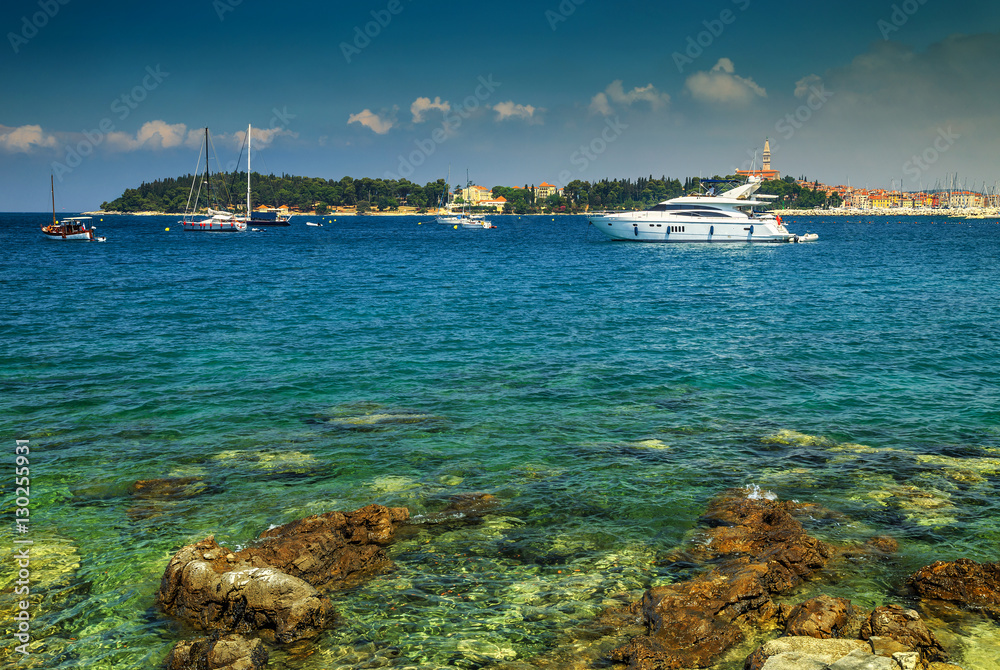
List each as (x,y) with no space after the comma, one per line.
(725,217)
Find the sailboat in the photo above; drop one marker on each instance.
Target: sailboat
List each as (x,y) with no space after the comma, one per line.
(70,228)
(261,218)
(218,221)
(465,218)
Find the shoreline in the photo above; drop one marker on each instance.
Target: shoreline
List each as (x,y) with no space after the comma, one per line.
(952,213)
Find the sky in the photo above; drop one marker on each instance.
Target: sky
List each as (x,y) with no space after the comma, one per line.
(106,95)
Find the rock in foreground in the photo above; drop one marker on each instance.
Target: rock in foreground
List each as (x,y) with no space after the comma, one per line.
(757,549)
(272,587)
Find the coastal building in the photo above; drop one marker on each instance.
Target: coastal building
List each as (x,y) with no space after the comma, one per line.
(496,203)
(544,190)
(475,194)
(765,172)
(856,199)
(966,199)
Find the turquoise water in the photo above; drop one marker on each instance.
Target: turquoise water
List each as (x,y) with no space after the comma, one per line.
(603,392)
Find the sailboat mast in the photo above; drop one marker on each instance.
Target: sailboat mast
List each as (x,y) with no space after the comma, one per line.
(248,172)
(52,181)
(208,178)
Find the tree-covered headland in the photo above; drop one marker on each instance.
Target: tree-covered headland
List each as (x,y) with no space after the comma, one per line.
(308,194)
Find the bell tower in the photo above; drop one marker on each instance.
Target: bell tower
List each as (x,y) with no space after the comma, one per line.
(766,167)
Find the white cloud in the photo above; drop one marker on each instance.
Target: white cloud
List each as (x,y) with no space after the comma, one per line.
(379,124)
(24,139)
(154,135)
(722,85)
(262,137)
(510,110)
(615,93)
(804,87)
(421,105)
(599,105)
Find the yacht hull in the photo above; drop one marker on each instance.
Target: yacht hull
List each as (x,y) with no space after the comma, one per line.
(647,227)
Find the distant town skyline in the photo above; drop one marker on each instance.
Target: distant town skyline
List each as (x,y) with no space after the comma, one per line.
(106,97)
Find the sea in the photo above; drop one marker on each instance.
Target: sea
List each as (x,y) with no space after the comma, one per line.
(601,392)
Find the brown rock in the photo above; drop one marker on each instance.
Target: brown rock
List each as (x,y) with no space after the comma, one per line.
(229,652)
(241,600)
(152,497)
(883,544)
(331,550)
(757,549)
(974,585)
(903,626)
(821,617)
(168,487)
(271,586)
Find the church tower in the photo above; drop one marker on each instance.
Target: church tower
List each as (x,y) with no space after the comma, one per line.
(765,172)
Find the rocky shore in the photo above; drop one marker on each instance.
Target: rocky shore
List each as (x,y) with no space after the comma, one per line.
(750,550)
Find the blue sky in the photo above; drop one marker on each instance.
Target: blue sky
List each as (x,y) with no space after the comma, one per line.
(106,95)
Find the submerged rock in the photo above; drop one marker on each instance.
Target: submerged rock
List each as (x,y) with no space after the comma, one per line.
(964,582)
(279,462)
(272,586)
(367,417)
(168,488)
(155,497)
(757,549)
(795,438)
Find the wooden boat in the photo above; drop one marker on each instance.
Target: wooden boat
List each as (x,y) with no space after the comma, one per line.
(70,228)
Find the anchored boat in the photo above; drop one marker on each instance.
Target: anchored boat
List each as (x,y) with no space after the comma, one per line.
(217,221)
(725,217)
(70,228)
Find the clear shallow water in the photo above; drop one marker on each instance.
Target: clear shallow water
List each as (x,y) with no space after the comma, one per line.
(603,392)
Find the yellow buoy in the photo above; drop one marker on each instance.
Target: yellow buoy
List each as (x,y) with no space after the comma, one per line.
(167,229)
(455,227)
